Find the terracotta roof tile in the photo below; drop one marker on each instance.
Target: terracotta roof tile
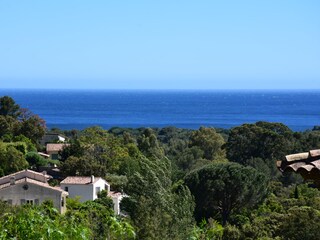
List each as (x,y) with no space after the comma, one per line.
(29,180)
(307,164)
(296,161)
(55,147)
(79,180)
(315,153)
(24,173)
(297,157)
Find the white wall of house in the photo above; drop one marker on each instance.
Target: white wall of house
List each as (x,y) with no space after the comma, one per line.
(85,191)
(24,192)
(61,139)
(116,203)
(99,186)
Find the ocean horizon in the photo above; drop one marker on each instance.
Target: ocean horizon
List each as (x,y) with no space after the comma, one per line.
(79,108)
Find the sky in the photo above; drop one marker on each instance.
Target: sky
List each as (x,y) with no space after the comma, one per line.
(167,44)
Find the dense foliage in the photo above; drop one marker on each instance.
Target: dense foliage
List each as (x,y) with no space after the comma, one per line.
(90,220)
(224,188)
(180,183)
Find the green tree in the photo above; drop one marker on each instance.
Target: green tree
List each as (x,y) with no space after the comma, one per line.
(158,210)
(260,140)
(224,188)
(102,222)
(30,147)
(207,230)
(35,160)
(209,141)
(74,149)
(33,128)
(96,152)
(306,141)
(17,121)
(11,159)
(8,124)
(30,222)
(189,157)
(83,166)
(8,107)
(149,145)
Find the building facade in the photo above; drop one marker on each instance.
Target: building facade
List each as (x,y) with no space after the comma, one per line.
(29,187)
(87,188)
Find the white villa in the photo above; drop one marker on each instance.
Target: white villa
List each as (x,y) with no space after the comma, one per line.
(87,188)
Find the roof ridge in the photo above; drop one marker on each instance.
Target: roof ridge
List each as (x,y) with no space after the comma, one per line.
(31,181)
(25,170)
(80,180)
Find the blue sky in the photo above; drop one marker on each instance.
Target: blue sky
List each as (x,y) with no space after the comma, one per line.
(167,44)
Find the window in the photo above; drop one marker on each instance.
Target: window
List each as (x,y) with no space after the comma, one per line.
(62,202)
(66,189)
(9,201)
(26,201)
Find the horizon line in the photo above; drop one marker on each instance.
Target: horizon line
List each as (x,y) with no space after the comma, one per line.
(164,89)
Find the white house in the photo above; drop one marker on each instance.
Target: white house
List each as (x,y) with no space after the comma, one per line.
(87,188)
(51,138)
(29,187)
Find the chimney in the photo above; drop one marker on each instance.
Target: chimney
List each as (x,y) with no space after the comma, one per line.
(44,173)
(92,179)
(12,180)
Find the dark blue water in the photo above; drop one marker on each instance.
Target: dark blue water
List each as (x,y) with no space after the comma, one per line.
(68,109)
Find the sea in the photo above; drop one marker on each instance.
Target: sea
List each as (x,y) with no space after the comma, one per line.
(79,109)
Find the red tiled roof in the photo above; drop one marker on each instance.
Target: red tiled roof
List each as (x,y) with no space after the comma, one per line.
(116,194)
(55,147)
(307,164)
(79,180)
(306,161)
(27,171)
(29,180)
